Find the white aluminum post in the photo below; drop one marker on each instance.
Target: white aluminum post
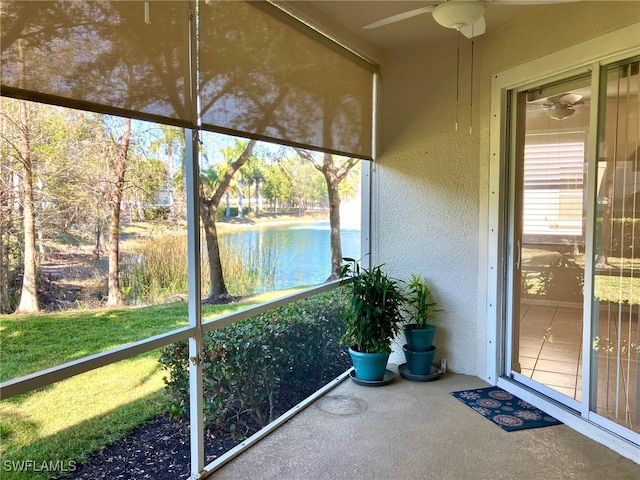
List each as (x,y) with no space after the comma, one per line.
(365,212)
(365,183)
(589,251)
(195,342)
(196,417)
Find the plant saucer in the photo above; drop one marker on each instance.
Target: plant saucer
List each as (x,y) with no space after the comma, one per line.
(434,374)
(388,378)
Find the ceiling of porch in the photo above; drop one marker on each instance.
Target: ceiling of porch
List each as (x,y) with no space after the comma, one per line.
(351,16)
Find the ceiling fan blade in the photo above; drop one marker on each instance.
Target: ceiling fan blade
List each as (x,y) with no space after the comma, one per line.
(555,99)
(478,28)
(571,98)
(531,2)
(399,17)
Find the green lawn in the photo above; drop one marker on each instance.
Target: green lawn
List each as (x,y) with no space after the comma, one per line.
(35,342)
(64,422)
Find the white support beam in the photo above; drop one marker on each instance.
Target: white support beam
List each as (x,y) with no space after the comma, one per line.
(196,416)
(192,174)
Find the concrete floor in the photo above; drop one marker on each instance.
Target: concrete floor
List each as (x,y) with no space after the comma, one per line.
(411,430)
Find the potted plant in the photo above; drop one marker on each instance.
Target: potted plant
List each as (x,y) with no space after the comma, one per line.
(419,309)
(373,318)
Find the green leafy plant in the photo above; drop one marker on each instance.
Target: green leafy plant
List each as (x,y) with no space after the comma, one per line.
(419,305)
(375,308)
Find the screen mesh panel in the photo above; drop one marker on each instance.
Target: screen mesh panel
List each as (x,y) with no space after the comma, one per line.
(99,55)
(259,75)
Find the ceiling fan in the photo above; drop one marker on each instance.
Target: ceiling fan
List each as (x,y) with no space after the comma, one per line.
(561,106)
(466,16)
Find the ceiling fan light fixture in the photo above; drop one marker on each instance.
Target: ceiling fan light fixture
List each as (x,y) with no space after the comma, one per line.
(560,111)
(457,15)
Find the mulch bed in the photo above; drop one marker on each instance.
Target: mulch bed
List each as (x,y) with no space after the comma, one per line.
(157,450)
(160,448)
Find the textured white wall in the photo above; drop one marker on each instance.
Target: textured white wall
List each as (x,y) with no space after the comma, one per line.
(430,198)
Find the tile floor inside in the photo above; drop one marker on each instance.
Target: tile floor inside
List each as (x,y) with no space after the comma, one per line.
(551,354)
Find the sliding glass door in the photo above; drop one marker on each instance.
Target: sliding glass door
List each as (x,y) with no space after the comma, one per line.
(552,133)
(574,273)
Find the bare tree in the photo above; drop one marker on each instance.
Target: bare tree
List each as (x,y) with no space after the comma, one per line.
(28,297)
(6,187)
(117,171)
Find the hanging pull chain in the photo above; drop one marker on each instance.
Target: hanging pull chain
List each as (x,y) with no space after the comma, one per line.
(457,80)
(471,94)
(147,20)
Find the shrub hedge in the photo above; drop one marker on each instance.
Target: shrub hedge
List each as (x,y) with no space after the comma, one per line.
(257,369)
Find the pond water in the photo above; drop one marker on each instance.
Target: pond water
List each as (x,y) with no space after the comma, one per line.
(293,256)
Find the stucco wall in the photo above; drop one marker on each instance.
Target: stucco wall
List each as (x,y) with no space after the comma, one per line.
(430,200)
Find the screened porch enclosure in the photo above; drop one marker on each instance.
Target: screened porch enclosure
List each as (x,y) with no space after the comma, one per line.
(242,69)
(432,202)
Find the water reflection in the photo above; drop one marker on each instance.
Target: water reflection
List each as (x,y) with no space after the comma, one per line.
(290,257)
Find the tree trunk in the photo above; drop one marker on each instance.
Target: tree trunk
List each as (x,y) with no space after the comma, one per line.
(218,287)
(208,207)
(98,246)
(118,171)
(240,214)
(602,256)
(180,190)
(333,175)
(334,222)
(28,297)
(4,267)
(6,184)
(257,202)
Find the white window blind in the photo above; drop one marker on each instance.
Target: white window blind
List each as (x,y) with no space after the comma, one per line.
(553,185)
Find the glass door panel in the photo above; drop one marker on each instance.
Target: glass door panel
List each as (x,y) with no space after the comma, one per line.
(615,337)
(549,230)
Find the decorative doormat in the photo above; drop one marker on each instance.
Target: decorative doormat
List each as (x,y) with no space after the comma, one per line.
(505,410)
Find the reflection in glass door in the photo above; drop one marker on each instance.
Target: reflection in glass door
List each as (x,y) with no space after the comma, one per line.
(549,229)
(615,337)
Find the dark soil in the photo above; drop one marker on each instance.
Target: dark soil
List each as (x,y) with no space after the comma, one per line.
(66,279)
(157,450)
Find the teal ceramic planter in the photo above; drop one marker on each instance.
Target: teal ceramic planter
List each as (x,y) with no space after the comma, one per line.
(369,367)
(419,363)
(419,339)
